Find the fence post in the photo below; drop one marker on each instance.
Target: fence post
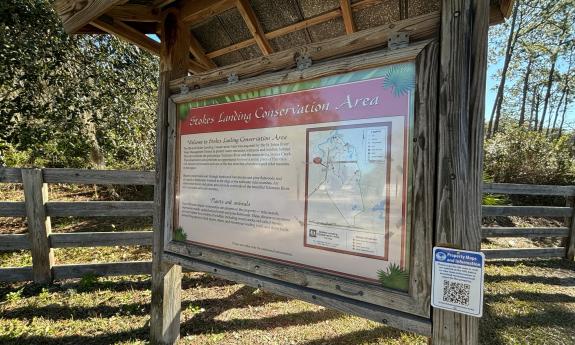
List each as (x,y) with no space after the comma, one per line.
(570,223)
(39,228)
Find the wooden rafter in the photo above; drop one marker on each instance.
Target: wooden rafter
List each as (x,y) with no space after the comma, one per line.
(347,16)
(199,53)
(254,26)
(322,18)
(76,14)
(419,28)
(196,67)
(128,33)
(198,10)
(134,13)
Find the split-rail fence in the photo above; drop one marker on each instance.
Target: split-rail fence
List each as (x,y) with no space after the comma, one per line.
(41,241)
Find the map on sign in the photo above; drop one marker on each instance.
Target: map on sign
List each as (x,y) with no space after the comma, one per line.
(347,178)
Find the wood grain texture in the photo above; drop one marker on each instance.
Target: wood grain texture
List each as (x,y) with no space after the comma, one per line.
(15,242)
(127,33)
(463,65)
(101,239)
(570,223)
(423,174)
(88,176)
(16,274)
(528,189)
(342,65)
(419,28)
(100,208)
(102,270)
(12,209)
(526,211)
(198,10)
(166,277)
(134,13)
(524,232)
(253,24)
(10,175)
(379,314)
(77,13)
(316,71)
(524,253)
(39,227)
(199,53)
(370,293)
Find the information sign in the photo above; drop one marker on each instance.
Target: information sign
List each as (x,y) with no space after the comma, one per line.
(458,281)
(312,174)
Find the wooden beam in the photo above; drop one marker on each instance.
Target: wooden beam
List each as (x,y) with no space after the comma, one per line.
(506,7)
(254,26)
(419,28)
(166,277)
(128,33)
(196,67)
(321,18)
(231,48)
(461,83)
(198,10)
(347,15)
(77,13)
(39,228)
(134,13)
(199,53)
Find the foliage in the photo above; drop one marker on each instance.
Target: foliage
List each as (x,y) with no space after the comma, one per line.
(72,101)
(394,277)
(180,235)
(519,155)
(534,52)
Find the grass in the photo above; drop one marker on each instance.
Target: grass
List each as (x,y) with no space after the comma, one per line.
(526,302)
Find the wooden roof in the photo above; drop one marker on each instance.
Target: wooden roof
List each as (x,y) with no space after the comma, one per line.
(226,32)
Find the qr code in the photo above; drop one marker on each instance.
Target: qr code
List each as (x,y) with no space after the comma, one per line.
(454,292)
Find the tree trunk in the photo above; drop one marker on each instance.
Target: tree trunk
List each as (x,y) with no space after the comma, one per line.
(496,111)
(525,88)
(564,111)
(557,110)
(532,112)
(548,93)
(537,101)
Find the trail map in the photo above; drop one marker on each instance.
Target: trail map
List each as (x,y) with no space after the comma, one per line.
(347,188)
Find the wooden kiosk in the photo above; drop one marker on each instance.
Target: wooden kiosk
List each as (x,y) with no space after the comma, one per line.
(313,149)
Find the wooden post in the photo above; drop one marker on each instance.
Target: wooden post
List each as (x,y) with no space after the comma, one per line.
(463,65)
(166,278)
(39,228)
(570,223)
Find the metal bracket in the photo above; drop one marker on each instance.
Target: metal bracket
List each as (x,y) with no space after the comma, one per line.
(398,40)
(233,78)
(184,89)
(303,62)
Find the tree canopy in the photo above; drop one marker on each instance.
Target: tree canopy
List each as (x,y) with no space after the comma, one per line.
(72,101)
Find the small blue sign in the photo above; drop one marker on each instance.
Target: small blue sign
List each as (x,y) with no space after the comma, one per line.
(457,281)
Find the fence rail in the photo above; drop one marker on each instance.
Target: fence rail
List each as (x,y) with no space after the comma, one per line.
(41,241)
(566,232)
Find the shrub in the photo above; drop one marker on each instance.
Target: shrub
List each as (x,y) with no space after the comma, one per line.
(519,155)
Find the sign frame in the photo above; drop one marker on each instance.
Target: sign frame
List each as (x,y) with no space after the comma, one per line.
(409,310)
